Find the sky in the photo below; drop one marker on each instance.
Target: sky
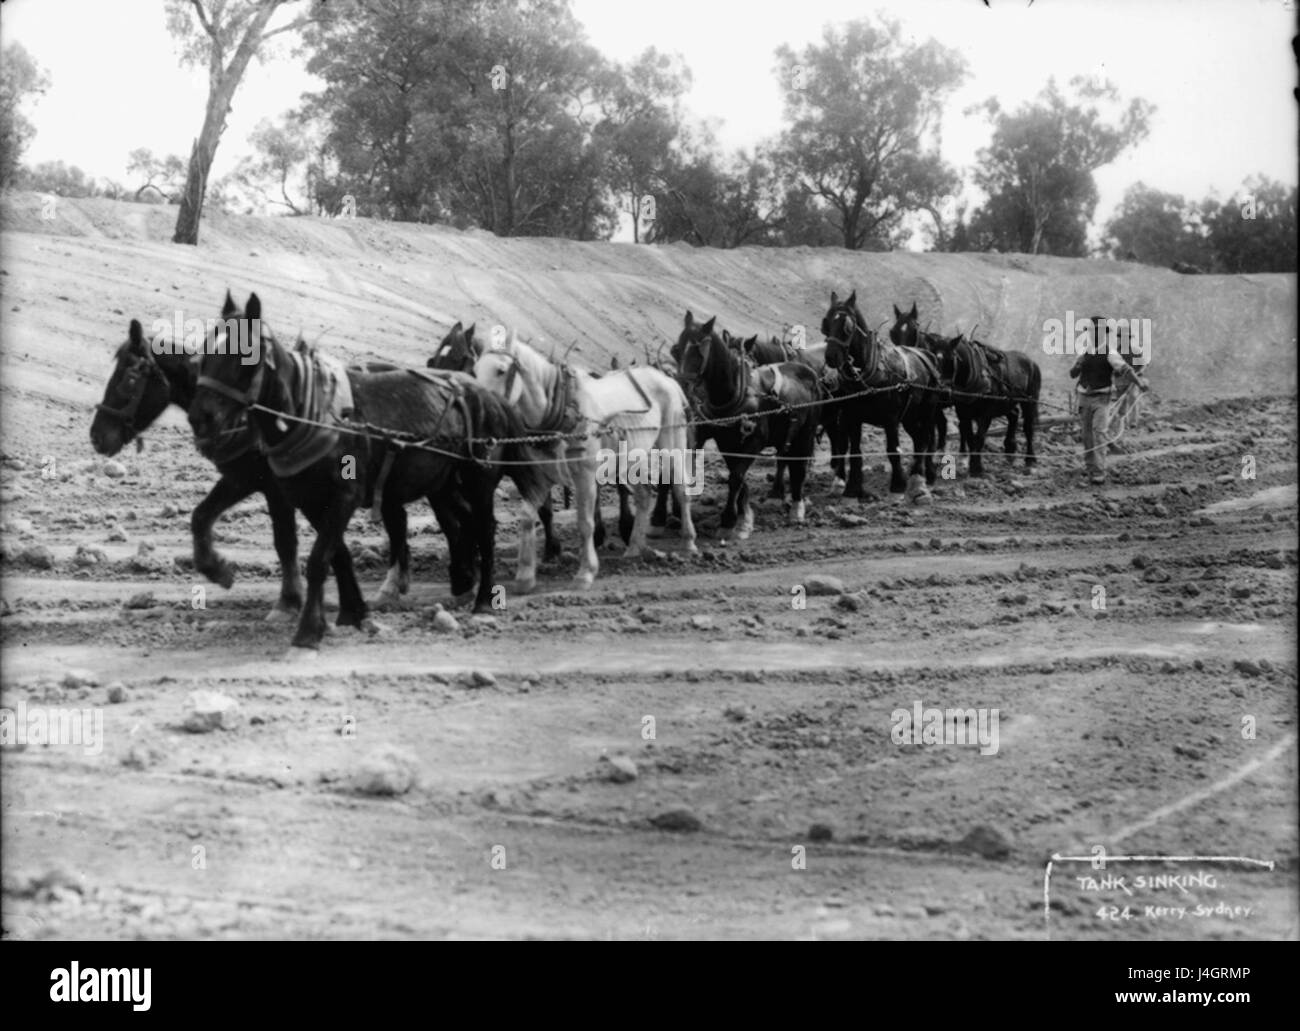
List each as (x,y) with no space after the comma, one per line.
(1219,72)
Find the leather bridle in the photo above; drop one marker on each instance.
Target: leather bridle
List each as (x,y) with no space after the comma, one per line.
(126,414)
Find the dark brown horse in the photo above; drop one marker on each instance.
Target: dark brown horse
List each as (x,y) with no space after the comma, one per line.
(753,410)
(141,387)
(893,386)
(986,383)
(775,350)
(331,465)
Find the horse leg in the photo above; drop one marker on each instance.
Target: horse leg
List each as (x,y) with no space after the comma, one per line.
(1009,441)
(964,433)
(920,430)
(802,461)
(659,517)
(777,493)
(1029,414)
(227,491)
(979,433)
(853,447)
(897,482)
(833,429)
(398,580)
(481,495)
(352,604)
(284,530)
(526,563)
(598,522)
(552,550)
(328,522)
(453,517)
(643,497)
(585,495)
(626,519)
(736,469)
(839,444)
(682,492)
(940,444)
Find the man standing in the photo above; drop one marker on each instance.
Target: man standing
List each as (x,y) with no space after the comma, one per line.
(1096,369)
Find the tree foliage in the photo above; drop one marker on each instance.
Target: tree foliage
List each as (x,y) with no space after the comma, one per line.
(1037,172)
(21,80)
(864,109)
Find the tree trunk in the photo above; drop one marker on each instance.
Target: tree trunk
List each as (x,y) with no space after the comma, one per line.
(222,83)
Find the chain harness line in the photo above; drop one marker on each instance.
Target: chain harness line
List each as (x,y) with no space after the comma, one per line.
(402,440)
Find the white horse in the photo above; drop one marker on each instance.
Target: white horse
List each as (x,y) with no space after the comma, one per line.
(638,407)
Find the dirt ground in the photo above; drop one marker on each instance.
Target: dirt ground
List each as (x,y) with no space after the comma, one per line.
(770,797)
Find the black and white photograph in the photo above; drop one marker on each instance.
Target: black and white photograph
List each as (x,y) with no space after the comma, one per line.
(706,470)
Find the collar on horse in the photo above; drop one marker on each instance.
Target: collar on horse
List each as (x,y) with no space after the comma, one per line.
(741,389)
(868,375)
(562,413)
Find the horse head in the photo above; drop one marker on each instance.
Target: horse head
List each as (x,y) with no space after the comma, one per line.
(237,353)
(458,350)
(906,328)
(137,393)
(948,355)
(512,372)
(846,333)
(693,348)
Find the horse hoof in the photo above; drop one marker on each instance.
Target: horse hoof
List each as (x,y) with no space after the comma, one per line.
(281,614)
(300,653)
(630,552)
(460,601)
(838,484)
(524,586)
(583,581)
(222,574)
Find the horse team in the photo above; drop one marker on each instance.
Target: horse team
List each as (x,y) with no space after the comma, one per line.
(312,436)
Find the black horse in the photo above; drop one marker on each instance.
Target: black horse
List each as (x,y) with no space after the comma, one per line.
(987,383)
(775,350)
(750,409)
(330,469)
(905,386)
(143,384)
(1007,384)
